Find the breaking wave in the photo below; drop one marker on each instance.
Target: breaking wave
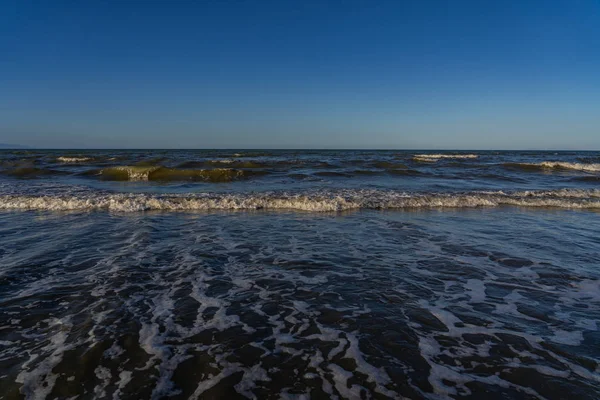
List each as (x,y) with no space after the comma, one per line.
(315,201)
(555,165)
(157,173)
(223,163)
(436,157)
(65,159)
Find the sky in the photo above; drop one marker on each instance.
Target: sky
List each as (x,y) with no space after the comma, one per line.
(301,74)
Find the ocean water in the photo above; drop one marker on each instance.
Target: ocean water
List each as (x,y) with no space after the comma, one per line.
(299,274)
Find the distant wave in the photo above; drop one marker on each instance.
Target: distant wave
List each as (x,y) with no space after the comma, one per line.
(157,173)
(436,157)
(228,163)
(65,159)
(315,201)
(151,162)
(586,179)
(31,172)
(589,160)
(389,165)
(555,165)
(332,174)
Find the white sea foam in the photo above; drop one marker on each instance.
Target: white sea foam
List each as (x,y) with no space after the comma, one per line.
(476,289)
(39,381)
(65,159)
(124,379)
(158,173)
(562,165)
(376,375)
(340,378)
(436,157)
(134,173)
(209,383)
(104,375)
(561,193)
(573,338)
(314,201)
(333,354)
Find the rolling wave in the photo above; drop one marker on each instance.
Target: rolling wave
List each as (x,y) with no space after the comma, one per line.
(544,165)
(224,163)
(313,201)
(31,172)
(437,157)
(586,179)
(389,165)
(158,173)
(65,159)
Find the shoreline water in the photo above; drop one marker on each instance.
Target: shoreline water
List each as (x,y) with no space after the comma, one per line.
(471,277)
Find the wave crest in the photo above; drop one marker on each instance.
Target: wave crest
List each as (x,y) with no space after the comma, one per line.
(317,201)
(229,163)
(31,172)
(157,173)
(437,157)
(65,159)
(555,165)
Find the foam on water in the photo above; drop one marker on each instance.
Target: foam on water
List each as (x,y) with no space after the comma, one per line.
(497,302)
(39,380)
(65,159)
(158,173)
(201,306)
(303,169)
(437,157)
(558,165)
(313,201)
(130,173)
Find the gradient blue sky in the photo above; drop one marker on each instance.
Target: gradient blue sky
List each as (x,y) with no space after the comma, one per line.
(301,74)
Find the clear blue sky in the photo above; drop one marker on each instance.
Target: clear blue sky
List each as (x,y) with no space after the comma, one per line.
(301,74)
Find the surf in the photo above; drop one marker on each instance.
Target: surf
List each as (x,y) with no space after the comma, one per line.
(318,201)
(437,157)
(159,173)
(554,165)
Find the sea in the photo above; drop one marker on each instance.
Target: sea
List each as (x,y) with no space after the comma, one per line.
(299,274)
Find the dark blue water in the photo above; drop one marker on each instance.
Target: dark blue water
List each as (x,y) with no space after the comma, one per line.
(243,171)
(296,274)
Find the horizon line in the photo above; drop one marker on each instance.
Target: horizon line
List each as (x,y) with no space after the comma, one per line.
(24,147)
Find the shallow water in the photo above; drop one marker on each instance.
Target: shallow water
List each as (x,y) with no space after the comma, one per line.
(402,289)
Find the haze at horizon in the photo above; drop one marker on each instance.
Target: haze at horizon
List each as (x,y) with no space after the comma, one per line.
(435,75)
